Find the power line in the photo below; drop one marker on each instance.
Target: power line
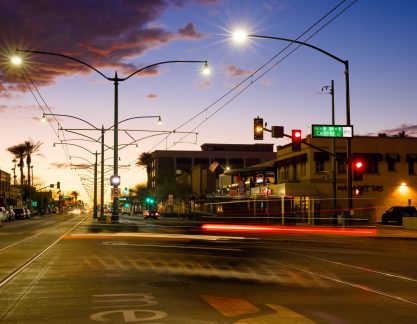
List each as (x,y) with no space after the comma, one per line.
(250,77)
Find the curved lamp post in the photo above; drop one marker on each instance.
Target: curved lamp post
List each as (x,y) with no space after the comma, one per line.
(116,80)
(103,130)
(241,36)
(95,181)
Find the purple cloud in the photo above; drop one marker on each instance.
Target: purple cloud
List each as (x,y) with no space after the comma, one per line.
(102,33)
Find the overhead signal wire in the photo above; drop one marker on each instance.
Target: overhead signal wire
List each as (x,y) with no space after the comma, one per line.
(250,77)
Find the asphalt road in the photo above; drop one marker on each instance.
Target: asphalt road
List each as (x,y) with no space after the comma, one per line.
(73,270)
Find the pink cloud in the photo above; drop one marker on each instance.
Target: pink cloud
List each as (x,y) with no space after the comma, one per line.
(233,71)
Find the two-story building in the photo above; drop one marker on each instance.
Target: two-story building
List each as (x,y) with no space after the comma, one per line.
(309,186)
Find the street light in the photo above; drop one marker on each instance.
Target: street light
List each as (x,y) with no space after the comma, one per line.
(95,176)
(241,36)
(115,80)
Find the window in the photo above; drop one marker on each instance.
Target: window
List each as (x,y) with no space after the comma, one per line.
(319,166)
(411,168)
(391,165)
(303,168)
(371,166)
(341,167)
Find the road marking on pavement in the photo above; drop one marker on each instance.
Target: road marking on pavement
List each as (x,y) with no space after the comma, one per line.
(230,306)
(348,283)
(282,315)
(172,246)
(158,235)
(397,276)
(128,313)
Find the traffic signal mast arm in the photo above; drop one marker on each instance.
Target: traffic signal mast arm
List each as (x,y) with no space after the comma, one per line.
(313,146)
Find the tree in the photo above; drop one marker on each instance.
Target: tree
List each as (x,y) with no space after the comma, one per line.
(145,160)
(30,148)
(75,194)
(19,152)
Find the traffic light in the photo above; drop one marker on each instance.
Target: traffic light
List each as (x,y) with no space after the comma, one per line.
(150,200)
(115,181)
(296,140)
(258,129)
(358,169)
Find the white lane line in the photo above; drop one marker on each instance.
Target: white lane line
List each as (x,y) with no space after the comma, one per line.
(352,284)
(387,274)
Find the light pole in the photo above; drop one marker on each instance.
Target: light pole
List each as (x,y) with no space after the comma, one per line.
(241,36)
(333,158)
(95,182)
(95,175)
(116,80)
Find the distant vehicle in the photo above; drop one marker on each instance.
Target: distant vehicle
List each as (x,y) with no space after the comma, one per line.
(12,215)
(76,211)
(395,214)
(4,214)
(20,213)
(149,213)
(126,210)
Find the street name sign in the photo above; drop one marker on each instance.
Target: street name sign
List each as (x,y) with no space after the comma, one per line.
(332,131)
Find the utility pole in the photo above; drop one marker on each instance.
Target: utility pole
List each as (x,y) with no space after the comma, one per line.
(333,150)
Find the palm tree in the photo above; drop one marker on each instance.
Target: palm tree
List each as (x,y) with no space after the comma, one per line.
(30,148)
(75,194)
(145,160)
(19,152)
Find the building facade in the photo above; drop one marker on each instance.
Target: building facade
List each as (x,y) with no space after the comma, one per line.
(313,188)
(169,165)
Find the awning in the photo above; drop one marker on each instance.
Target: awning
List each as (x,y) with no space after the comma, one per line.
(411,157)
(395,157)
(292,160)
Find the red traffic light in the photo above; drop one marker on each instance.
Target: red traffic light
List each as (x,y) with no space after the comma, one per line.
(296,140)
(296,134)
(358,165)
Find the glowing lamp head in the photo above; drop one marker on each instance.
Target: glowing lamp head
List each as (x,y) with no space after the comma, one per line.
(16,60)
(240,36)
(206,69)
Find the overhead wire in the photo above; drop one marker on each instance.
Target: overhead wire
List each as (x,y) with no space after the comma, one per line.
(251,76)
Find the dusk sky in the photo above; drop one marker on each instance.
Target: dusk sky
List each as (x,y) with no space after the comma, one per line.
(378,37)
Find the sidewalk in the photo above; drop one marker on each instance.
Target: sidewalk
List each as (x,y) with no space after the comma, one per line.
(395,232)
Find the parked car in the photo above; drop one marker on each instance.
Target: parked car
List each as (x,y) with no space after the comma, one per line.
(20,213)
(12,215)
(150,213)
(396,213)
(4,214)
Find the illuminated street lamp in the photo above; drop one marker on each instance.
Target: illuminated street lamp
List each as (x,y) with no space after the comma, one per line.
(240,36)
(115,80)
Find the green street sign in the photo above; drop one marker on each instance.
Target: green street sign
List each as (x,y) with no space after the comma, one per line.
(332,131)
